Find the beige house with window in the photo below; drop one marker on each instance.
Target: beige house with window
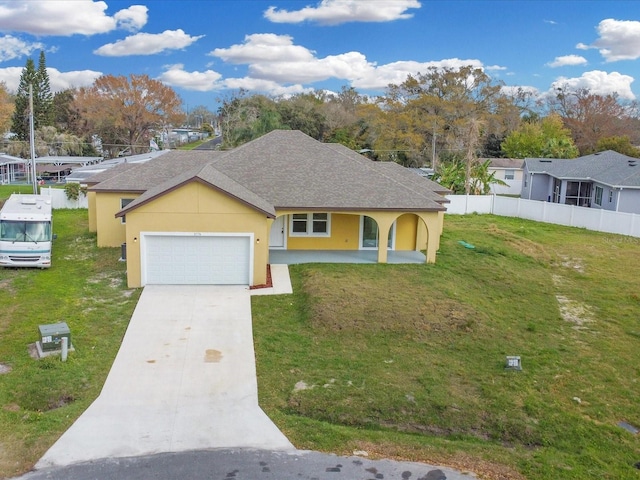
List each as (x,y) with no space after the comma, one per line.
(510,171)
(203,217)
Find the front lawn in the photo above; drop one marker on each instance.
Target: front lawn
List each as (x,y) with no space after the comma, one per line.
(86,288)
(403,361)
(408,361)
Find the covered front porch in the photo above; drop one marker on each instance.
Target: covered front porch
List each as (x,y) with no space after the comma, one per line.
(290,257)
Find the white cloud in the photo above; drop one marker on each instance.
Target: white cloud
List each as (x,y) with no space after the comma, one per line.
(133,18)
(277,59)
(619,40)
(379,77)
(176,76)
(74,79)
(264,47)
(336,12)
(58,81)
(520,90)
(10,76)
(599,82)
(148,44)
(267,86)
(567,60)
(346,66)
(66,18)
(12,47)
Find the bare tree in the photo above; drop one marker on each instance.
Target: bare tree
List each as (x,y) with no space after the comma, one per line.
(125,112)
(591,117)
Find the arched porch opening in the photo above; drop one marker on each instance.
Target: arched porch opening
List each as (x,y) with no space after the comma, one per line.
(370,235)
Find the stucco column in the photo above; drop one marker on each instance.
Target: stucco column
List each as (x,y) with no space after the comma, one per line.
(384,221)
(434,224)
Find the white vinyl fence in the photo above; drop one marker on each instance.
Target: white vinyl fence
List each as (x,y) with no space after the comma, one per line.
(59,198)
(568,215)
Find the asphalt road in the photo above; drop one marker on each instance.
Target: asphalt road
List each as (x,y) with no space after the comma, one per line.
(213,144)
(238,464)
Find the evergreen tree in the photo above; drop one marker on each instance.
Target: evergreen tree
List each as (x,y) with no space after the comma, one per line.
(42,99)
(20,120)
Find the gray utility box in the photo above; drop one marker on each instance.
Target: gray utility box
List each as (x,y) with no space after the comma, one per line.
(51,336)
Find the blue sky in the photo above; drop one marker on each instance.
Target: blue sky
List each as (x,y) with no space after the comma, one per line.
(207,50)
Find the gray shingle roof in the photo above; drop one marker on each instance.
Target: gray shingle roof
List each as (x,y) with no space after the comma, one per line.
(109,173)
(292,170)
(508,163)
(147,175)
(608,167)
(286,170)
(211,176)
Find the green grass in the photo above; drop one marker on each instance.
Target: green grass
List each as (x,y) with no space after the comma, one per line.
(408,360)
(86,288)
(402,361)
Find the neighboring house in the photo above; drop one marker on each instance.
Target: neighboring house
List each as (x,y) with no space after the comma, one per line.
(509,170)
(214,216)
(12,169)
(82,175)
(606,180)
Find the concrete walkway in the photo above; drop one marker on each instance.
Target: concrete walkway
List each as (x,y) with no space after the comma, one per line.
(181,401)
(184,379)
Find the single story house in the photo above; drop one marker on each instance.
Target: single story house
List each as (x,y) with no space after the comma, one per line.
(510,171)
(607,180)
(213,217)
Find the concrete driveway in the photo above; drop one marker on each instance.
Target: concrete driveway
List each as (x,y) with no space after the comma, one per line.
(184,379)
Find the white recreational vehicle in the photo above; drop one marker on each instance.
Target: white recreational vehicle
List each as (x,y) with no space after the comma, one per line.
(25,231)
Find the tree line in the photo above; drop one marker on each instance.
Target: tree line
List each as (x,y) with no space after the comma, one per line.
(115,114)
(449,119)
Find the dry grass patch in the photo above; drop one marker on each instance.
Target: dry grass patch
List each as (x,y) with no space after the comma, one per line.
(575,312)
(523,245)
(347,306)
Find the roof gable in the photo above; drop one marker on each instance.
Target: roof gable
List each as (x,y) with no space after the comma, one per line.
(209,176)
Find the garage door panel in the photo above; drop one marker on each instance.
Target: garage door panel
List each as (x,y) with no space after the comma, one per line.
(201,260)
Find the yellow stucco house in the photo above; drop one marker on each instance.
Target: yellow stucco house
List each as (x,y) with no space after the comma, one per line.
(203,217)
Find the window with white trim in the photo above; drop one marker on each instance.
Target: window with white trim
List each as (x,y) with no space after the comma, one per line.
(509,174)
(123,203)
(598,198)
(310,225)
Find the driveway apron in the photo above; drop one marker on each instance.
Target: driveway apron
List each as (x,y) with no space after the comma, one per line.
(184,379)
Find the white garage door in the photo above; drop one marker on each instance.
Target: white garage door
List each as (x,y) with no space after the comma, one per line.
(196,260)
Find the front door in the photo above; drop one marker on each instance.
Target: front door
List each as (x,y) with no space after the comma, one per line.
(277,234)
